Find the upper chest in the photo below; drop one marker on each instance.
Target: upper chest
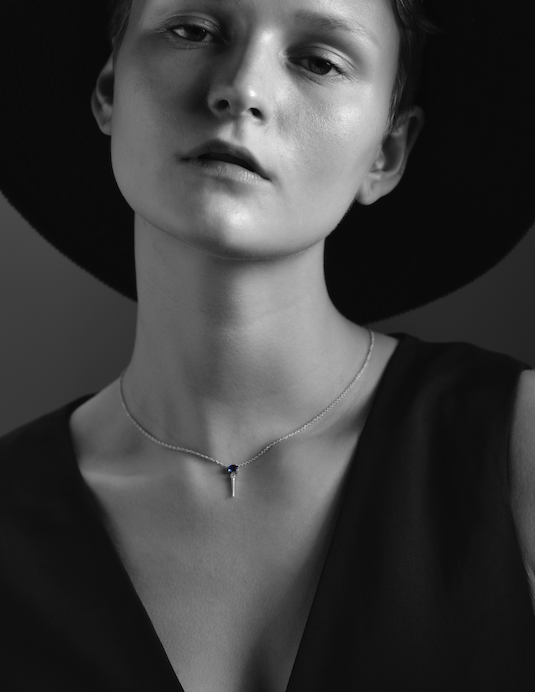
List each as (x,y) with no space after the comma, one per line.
(228,593)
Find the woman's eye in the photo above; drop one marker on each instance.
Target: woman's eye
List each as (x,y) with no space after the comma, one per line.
(191,32)
(319,66)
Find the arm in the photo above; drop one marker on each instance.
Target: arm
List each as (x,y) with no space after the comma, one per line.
(522,472)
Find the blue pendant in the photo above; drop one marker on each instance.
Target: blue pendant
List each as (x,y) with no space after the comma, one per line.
(233,473)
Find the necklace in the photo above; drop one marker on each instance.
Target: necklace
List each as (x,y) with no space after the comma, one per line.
(233,468)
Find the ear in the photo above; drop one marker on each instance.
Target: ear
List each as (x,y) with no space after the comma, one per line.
(389,166)
(102,97)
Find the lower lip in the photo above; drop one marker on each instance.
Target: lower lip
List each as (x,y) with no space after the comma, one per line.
(224,170)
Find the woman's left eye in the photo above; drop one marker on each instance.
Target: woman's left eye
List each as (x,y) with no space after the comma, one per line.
(319,66)
(189,31)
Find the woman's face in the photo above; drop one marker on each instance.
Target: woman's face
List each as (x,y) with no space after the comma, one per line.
(303,85)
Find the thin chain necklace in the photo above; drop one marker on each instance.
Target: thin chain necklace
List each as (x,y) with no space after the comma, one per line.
(233,468)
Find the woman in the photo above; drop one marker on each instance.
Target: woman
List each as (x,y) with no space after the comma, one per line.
(368,542)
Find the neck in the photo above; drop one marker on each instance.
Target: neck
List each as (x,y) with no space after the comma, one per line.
(231,354)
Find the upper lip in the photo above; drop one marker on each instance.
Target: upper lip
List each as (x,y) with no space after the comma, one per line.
(242,155)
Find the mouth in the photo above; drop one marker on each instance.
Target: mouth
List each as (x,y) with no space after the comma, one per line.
(224,152)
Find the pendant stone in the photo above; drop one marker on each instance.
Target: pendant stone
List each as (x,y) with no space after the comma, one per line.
(233,474)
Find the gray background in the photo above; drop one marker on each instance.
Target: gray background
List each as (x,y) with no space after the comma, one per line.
(64,334)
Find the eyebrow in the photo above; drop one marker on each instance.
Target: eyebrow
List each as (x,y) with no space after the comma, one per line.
(327,22)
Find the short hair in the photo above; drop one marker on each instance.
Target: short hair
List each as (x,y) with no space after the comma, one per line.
(413,24)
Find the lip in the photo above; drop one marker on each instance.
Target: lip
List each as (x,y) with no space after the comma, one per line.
(243,157)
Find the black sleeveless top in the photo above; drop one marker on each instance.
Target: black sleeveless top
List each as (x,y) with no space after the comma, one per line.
(423,587)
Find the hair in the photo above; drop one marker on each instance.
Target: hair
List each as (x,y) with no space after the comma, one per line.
(413,24)
(414,27)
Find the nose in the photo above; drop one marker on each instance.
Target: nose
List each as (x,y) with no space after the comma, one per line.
(241,86)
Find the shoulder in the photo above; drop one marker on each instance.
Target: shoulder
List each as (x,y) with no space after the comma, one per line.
(31,436)
(522,469)
(34,453)
(459,362)
(461,385)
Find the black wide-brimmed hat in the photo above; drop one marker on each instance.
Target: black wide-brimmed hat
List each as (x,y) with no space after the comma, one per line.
(467,196)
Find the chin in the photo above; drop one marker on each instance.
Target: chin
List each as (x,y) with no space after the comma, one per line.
(228,232)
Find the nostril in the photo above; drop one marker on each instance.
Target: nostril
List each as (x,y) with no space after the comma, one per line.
(237,106)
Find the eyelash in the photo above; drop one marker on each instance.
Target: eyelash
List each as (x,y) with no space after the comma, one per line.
(173,36)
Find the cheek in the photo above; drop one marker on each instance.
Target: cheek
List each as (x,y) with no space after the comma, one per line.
(140,126)
(334,143)
(129,145)
(337,146)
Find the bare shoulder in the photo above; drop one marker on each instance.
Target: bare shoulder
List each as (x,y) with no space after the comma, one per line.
(522,470)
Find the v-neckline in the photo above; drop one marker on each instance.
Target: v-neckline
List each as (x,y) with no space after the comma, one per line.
(146,627)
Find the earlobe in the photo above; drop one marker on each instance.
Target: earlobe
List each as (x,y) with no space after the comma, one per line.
(102,97)
(389,166)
